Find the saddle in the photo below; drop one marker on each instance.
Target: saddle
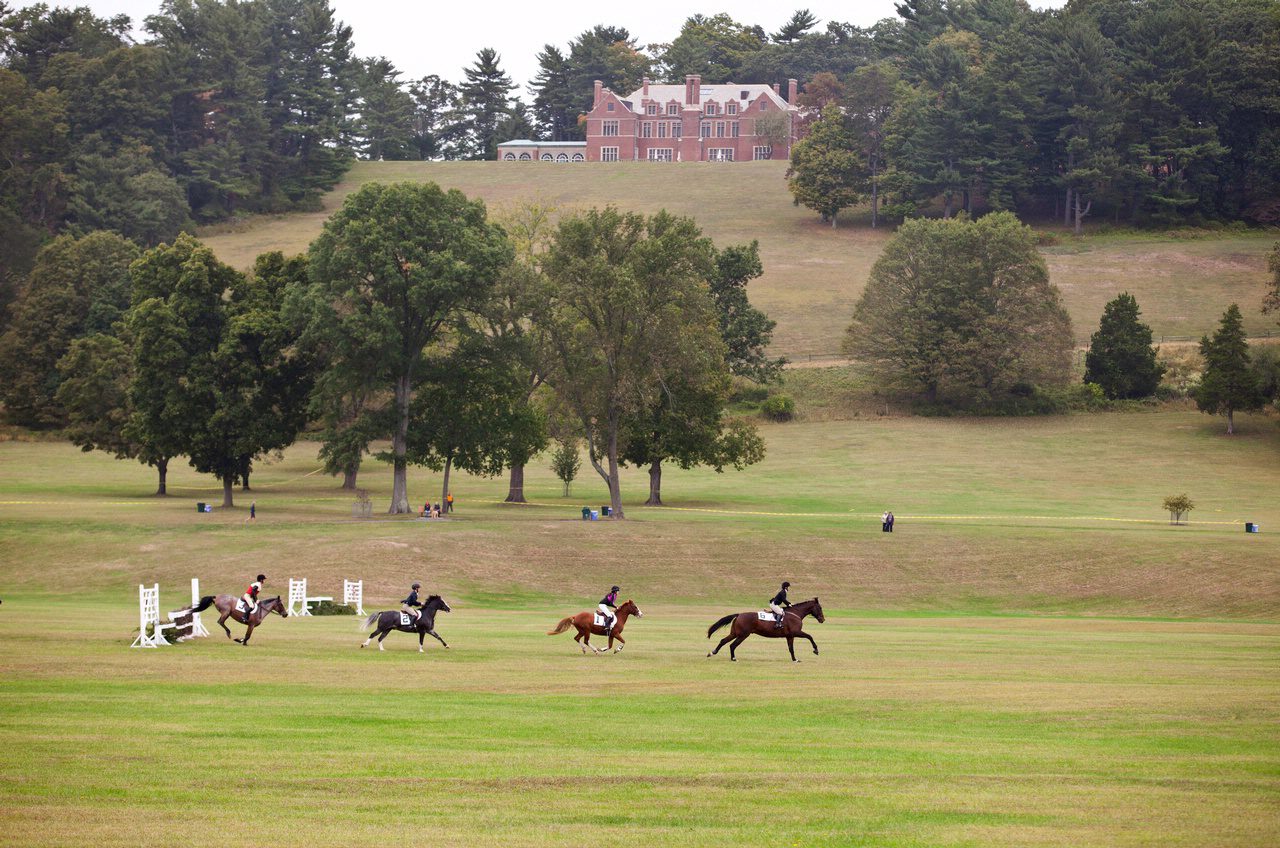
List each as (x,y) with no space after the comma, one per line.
(241,607)
(601,620)
(766,615)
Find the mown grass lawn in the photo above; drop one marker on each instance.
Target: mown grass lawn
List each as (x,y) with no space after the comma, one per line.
(1034,658)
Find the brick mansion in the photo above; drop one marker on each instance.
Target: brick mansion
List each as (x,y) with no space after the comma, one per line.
(676,123)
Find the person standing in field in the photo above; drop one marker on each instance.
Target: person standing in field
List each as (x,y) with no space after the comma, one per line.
(884,521)
(888,522)
(448,503)
(253,510)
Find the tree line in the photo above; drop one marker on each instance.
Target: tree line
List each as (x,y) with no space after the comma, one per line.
(416,319)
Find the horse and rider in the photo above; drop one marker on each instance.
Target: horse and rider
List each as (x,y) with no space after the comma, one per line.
(787,622)
(414,616)
(246,609)
(613,619)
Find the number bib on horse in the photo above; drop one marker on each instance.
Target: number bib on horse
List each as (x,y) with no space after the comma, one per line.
(600,620)
(766,616)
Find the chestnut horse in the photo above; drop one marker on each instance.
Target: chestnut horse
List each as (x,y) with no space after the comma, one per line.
(747,623)
(226,604)
(584,622)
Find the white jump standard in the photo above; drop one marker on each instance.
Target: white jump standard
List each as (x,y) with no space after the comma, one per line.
(197,627)
(298,596)
(353,595)
(149,615)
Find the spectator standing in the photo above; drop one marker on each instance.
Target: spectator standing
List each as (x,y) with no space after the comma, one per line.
(448,503)
(889,521)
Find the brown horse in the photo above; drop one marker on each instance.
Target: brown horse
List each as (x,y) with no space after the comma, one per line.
(747,623)
(226,604)
(584,622)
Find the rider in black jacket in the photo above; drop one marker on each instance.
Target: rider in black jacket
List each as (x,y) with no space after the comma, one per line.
(778,603)
(408,604)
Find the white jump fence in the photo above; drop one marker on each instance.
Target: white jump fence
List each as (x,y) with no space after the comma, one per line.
(197,626)
(149,617)
(353,595)
(298,597)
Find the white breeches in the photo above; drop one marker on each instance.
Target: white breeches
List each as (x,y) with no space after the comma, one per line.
(249,603)
(606,612)
(777,610)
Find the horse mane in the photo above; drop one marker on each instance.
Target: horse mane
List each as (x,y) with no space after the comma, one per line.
(433,597)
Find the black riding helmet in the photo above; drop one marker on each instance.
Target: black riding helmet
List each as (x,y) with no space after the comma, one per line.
(262,578)
(614,589)
(786,585)
(416,586)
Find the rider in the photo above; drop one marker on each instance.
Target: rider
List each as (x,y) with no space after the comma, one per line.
(250,597)
(609,602)
(779,602)
(408,604)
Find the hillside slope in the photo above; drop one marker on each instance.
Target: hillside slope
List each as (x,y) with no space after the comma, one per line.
(814,274)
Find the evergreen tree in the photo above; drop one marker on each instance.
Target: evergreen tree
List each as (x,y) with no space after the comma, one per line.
(800,22)
(1121,358)
(386,118)
(1228,385)
(555,105)
(437,132)
(485,103)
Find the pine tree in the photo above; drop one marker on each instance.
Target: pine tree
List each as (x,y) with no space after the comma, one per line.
(485,103)
(1121,358)
(1228,385)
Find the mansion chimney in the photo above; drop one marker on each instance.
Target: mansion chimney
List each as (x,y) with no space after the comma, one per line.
(596,100)
(692,90)
(777,89)
(645,86)
(791,92)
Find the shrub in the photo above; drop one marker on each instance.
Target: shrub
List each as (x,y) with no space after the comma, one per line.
(330,608)
(1178,506)
(779,408)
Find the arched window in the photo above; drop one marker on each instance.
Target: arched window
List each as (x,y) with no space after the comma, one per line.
(563,157)
(546,157)
(578,157)
(525,157)
(510,157)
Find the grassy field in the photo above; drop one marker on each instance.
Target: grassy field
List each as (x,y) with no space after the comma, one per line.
(1034,658)
(814,274)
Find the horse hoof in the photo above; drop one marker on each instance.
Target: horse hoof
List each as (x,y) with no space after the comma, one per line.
(421,651)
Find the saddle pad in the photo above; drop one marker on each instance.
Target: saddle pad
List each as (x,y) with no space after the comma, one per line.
(240,606)
(405,621)
(600,620)
(766,616)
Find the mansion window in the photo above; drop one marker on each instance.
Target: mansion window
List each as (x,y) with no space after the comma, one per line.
(652,109)
(673,109)
(720,154)
(731,109)
(676,130)
(660,154)
(510,157)
(745,94)
(562,157)
(719,129)
(706,129)
(578,157)
(525,157)
(609,108)
(762,102)
(609,128)
(608,154)
(735,129)
(546,157)
(646,129)
(711,108)
(662,129)
(762,152)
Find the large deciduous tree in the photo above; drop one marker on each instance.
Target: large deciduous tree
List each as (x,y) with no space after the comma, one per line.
(962,311)
(392,271)
(1121,358)
(826,171)
(630,310)
(1228,385)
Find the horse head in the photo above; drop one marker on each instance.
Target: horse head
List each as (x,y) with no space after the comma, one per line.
(817,612)
(435,602)
(277,606)
(630,608)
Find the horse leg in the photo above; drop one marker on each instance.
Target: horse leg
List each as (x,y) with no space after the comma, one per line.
(734,647)
(438,636)
(223,623)
(622,643)
(422,634)
(810,638)
(382,635)
(726,640)
(791,646)
(247,634)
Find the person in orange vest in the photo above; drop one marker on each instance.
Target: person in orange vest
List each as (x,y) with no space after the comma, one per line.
(448,502)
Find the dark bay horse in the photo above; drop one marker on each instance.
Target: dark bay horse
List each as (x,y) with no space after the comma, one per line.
(584,621)
(389,620)
(747,623)
(226,605)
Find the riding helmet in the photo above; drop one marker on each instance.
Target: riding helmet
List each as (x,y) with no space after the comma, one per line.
(417,586)
(786,585)
(261,577)
(614,589)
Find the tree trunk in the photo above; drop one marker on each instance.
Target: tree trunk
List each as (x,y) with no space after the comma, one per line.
(615,488)
(444,491)
(1231,424)
(875,198)
(162,467)
(515,489)
(349,475)
(399,442)
(245,467)
(655,484)
(1080,214)
(946,208)
(833,218)
(1066,210)
(228,486)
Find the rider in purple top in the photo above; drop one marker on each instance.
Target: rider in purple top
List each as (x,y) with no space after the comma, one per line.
(609,602)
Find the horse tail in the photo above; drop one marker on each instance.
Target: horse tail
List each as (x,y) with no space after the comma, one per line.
(565,624)
(368,622)
(204,604)
(721,623)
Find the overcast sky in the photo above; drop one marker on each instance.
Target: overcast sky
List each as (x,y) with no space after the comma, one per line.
(441,38)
